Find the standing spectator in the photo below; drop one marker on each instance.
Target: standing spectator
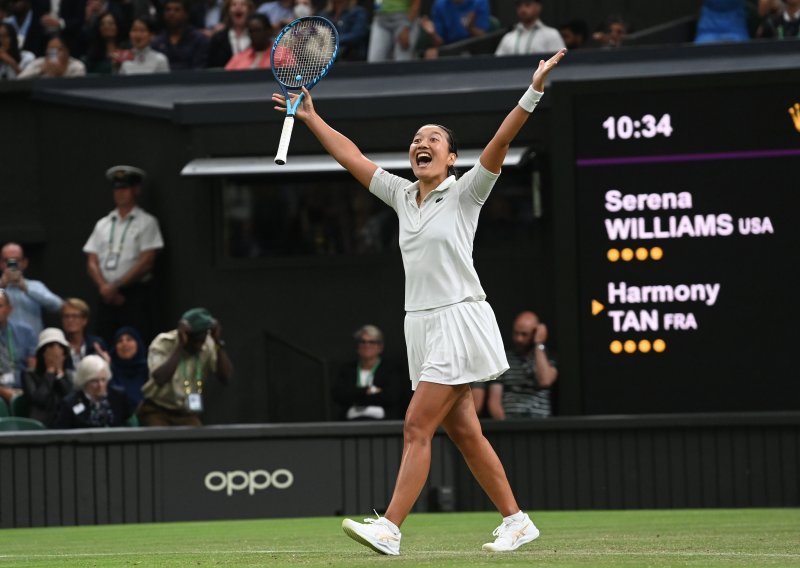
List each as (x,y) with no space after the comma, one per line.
(12,59)
(370,388)
(180,362)
(17,349)
(575,34)
(455,20)
(28,296)
(106,49)
(50,381)
(233,38)
(257,55)
(143,58)
(524,390)
(24,16)
(129,363)
(74,319)
(184,46)
(93,404)
(352,23)
(279,12)
(784,24)
(121,253)
(58,63)
(394,30)
(530,35)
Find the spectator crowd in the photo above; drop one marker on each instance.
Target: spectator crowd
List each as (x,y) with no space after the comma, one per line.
(67,38)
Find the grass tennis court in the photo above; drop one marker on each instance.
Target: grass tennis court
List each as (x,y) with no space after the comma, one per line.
(702,538)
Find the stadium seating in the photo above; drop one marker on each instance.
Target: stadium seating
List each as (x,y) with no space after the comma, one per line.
(20,406)
(16,423)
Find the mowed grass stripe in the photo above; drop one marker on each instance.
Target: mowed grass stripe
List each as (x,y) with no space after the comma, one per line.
(702,538)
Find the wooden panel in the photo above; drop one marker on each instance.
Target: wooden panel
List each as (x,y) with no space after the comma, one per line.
(101,485)
(600,470)
(350,477)
(756,465)
(69,512)
(84,485)
(646,467)
(38,488)
(52,485)
(116,480)
(130,484)
(22,488)
(741,468)
(146,483)
(726,495)
(789,440)
(677,469)
(708,468)
(584,471)
(694,473)
(615,470)
(772,467)
(661,466)
(7,519)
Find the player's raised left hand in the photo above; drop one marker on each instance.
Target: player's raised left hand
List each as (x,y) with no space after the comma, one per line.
(544,69)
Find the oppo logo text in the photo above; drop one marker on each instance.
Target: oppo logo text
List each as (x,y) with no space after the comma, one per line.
(252,481)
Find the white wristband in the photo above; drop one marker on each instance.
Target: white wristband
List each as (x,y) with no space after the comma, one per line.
(530,99)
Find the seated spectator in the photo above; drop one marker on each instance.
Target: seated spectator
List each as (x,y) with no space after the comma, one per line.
(370,388)
(454,20)
(107,50)
(25,17)
(29,297)
(613,32)
(233,38)
(395,30)
(129,363)
(184,46)
(58,63)
(722,21)
(93,404)
(74,319)
(180,362)
(575,34)
(785,24)
(352,23)
(524,390)
(50,381)
(17,350)
(257,55)
(80,18)
(279,13)
(530,35)
(12,59)
(143,59)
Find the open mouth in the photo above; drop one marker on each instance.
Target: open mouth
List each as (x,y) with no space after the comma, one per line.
(423,159)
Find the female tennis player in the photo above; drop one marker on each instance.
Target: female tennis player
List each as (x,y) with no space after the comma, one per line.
(451,332)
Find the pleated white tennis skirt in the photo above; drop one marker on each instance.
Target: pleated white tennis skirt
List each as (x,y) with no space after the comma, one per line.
(455,344)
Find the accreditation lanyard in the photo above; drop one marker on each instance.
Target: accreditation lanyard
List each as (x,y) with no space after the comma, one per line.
(530,42)
(124,232)
(10,348)
(371,374)
(198,376)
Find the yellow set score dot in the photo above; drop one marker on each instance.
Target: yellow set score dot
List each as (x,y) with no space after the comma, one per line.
(643,346)
(641,253)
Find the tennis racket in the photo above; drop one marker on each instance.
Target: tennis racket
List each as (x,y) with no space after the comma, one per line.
(302,55)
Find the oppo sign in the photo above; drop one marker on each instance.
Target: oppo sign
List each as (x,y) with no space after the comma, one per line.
(251,481)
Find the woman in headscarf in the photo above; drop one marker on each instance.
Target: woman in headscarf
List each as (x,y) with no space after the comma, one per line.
(129,363)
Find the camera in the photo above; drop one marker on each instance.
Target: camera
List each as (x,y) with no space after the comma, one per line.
(12,263)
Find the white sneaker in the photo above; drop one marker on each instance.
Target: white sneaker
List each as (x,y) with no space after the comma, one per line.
(512,534)
(374,533)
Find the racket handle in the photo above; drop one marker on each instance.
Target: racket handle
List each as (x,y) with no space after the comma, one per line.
(283,145)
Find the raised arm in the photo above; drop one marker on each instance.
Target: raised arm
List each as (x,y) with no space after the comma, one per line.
(339,146)
(495,152)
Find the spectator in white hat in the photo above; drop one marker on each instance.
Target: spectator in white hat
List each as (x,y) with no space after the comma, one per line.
(50,381)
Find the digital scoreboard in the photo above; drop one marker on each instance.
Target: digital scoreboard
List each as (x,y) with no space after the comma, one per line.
(687,213)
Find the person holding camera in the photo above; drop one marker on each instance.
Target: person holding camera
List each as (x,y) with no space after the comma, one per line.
(17,349)
(524,390)
(180,362)
(29,297)
(56,63)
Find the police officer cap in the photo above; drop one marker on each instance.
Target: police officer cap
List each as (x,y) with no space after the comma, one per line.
(199,320)
(125,176)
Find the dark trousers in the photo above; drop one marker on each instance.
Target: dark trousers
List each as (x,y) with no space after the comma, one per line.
(135,312)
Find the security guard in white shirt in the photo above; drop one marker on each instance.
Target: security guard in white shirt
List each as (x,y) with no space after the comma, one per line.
(120,255)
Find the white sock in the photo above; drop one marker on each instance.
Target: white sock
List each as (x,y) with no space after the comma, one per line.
(516,517)
(391,525)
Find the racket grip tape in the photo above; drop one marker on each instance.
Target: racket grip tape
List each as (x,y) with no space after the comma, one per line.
(283,145)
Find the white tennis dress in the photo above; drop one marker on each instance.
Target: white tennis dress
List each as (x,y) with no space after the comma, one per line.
(451,331)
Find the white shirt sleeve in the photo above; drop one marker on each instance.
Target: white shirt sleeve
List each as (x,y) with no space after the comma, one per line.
(476,185)
(93,244)
(387,187)
(505,45)
(150,237)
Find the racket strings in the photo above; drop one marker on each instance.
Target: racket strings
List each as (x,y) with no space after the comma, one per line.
(303,53)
